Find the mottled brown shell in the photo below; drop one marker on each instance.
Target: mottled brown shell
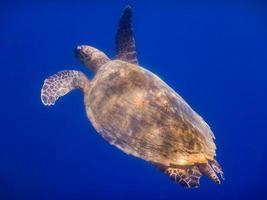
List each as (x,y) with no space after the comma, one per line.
(137,112)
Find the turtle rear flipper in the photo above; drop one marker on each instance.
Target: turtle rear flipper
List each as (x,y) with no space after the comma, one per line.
(211,169)
(60,84)
(186,176)
(217,168)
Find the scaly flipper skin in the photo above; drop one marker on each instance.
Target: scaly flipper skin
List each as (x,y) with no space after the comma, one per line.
(186,176)
(125,44)
(60,84)
(207,170)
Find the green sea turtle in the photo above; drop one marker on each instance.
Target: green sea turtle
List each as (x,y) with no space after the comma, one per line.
(136,111)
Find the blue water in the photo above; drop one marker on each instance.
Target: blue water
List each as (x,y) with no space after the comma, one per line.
(212,54)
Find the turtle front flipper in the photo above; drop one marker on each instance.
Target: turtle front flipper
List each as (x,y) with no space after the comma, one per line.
(125,44)
(61,83)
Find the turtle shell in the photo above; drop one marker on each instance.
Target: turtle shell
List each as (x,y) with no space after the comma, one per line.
(140,114)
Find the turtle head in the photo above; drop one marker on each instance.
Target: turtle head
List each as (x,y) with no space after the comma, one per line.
(91,57)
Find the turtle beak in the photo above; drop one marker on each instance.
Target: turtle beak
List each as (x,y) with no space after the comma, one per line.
(80,52)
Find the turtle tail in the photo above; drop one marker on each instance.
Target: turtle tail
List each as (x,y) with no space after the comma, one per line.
(62,83)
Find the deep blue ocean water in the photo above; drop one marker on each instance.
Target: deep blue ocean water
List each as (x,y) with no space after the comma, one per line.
(213,54)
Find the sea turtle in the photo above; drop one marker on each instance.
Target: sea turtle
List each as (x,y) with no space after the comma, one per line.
(139,113)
